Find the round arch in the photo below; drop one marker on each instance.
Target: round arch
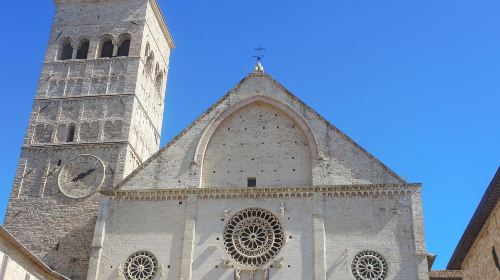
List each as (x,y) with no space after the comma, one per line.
(291,112)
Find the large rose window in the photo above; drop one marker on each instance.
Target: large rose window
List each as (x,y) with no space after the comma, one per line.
(253,237)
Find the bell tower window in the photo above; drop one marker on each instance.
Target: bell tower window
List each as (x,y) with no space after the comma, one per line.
(107,47)
(83,49)
(124,47)
(71,133)
(66,50)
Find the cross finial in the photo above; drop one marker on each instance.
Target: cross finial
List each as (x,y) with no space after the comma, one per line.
(259,56)
(259,53)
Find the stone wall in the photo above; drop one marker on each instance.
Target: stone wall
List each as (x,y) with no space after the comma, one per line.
(257,141)
(324,230)
(16,262)
(337,160)
(86,106)
(56,228)
(479,263)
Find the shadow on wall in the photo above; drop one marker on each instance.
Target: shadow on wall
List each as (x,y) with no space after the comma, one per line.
(70,256)
(377,226)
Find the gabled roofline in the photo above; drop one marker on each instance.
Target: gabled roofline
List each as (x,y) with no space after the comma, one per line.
(25,252)
(178,136)
(476,223)
(224,97)
(163,23)
(342,134)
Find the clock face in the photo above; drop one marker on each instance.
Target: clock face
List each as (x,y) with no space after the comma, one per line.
(81,176)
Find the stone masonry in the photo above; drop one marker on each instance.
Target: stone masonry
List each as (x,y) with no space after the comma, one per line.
(259,187)
(479,262)
(101,92)
(332,198)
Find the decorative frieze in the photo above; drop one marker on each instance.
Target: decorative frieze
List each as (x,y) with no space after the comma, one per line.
(387,190)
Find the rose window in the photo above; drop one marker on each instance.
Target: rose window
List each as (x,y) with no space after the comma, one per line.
(253,237)
(141,266)
(369,265)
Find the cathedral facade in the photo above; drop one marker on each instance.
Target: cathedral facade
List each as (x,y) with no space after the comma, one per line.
(259,186)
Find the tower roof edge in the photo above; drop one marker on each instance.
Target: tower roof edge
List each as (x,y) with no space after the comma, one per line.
(156,10)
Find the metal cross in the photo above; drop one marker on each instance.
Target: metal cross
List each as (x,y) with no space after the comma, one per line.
(259,53)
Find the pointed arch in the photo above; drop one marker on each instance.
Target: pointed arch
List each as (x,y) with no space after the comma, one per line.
(292,113)
(147,50)
(158,77)
(149,63)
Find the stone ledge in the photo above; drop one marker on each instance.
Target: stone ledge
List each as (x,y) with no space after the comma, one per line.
(378,190)
(445,275)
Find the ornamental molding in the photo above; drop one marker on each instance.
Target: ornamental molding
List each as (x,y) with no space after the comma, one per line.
(374,191)
(97,97)
(103,145)
(99,60)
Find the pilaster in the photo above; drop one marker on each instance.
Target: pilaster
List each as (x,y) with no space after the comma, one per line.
(188,239)
(97,243)
(418,235)
(319,238)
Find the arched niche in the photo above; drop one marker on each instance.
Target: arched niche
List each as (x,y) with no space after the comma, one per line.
(261,139)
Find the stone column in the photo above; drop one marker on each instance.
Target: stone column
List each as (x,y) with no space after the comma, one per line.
(188,239)
(319,237)
(75,50)
(115,50)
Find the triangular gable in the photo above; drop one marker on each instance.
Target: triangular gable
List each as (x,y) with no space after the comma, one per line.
(340,160)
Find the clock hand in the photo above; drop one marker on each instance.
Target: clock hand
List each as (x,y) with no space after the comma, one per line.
(83,175)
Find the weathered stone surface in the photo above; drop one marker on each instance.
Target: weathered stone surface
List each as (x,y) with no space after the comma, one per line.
(335,159)
(479,262)
(108,107)
(333,199)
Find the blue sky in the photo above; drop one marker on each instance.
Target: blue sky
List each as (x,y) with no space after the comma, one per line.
(416,83)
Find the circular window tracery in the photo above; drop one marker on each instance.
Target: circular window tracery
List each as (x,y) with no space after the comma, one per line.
(369,265)
(252,237)
(141,266)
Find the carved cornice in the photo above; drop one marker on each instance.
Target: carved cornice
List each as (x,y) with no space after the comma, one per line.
(375,190)
(98,60)
(73,145)
(95,96)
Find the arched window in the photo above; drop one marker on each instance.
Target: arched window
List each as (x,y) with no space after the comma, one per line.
(148,49)
(159,81)
(149,63)
(124,47)
(83,49)
(66,50)
(71,133)
(106,47)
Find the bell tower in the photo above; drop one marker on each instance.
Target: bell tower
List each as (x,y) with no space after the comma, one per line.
(97,115)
